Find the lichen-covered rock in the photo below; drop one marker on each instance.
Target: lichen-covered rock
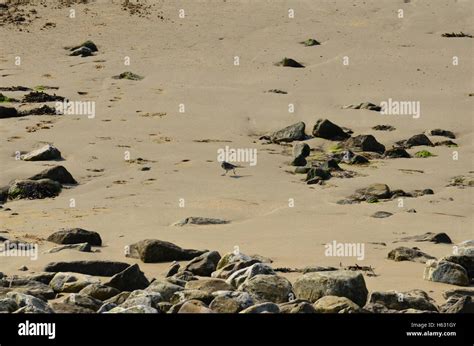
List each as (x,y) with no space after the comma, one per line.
(446,272)
(268,288)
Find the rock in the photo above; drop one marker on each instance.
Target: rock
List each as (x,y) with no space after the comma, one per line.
(42,277)
(396,153)
(414,299)
(231,268)
(66,308)
(88,44)
(350,158)
(118,299)
(82,51)
(29,287)
(129,280)
(447,143)
(290,133)
(446,272)
(75,236)
(99,291)
(41,97)
(381,214)
(174,268)
(138,309)
(140,297)
(71,282)
(34,189)
(335,305)
(341,283)
(318,173)
(45,153)
(443,133)
(240,276)
(83,301)
(164,307)
(288,62)
(379,191)
(310,42)
(128,75)
(266,288)
(230,302)
(8,305)
(208,285)
(200,221)
(8,112)
(56,173)
(271,308)
(182,296)
(182,277)
(297,307)
(82,247)
(458,292)
(409,254)
(232,257)
(165,288)
(416,140)
(467,262)
(298,162)
(95,268)
(301,149)
(302,170)
(154,251)
(383,128)
(204,264)
(438,238)
(458,305)
(328,130)
(364,105)
(364,143)
(194,307)
(34,304)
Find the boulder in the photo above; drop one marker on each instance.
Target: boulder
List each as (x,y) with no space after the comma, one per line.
(82,247)
(297,307)
(364,105)
(197,220)
(32,303)
(165,288)
(438,238)
(8,112)
(208,285)
(379,191)
(34,189)
(328,130)
(443,133)
(396,153)
(458,305)
(290,133)
(416,140)
(67,308)
(129,280)
(267,288)
(99,291)
(263,308)
(141,297)
(414,299)
(83,301)
(8,305)
(153,251)
(182,296)
(71,282)
(194,307)
(95,268)
(364,143)
(465,261)
(335,305)
(403,253)
(446,272)
(341,283)
(204,264)
(56,173)
(232,257)
(45,153)
(230,302)
(240,276)
(288,62)
(301,149)
(75,236)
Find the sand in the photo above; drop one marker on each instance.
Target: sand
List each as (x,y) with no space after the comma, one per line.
(190,61)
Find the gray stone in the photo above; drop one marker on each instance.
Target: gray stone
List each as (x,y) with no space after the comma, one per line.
(45,153)
(154,251)
(414,299)
(263,308)
(95,268)
(34,189)
(446,272)
(56,173)
(290,133)
(267,288)
(335,304)
(76,236)
(364,143)
(204,264)
(129,280)
(403,253)
(341,283)
(328,130)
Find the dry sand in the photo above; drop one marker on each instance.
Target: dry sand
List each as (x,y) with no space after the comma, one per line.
(190,61)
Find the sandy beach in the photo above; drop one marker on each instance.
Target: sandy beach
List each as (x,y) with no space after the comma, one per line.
(148,158)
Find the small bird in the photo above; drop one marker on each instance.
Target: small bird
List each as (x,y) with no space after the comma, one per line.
(228,167)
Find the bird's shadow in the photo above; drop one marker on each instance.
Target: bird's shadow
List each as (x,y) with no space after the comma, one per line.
(238,176)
